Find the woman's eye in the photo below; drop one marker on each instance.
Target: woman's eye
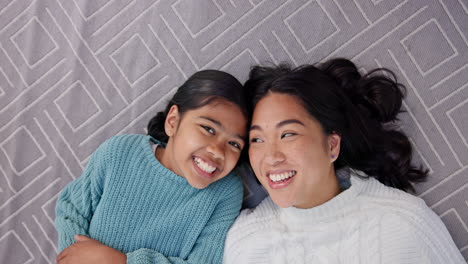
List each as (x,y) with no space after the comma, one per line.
(209,129)
(256,140)
(235,144)
(287,135)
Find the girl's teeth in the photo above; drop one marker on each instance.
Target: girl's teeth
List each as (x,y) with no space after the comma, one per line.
(204,166)
(282,176)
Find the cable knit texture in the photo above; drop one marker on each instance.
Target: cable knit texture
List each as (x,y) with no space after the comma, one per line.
(367,223)
(127,200)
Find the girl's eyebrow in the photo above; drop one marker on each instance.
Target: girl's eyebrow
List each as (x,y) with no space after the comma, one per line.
(220,125)
(212,120)
(280,124)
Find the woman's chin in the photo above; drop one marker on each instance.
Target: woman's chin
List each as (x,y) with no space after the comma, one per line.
(281,201)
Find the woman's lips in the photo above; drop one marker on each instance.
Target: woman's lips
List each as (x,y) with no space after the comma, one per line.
(280,179)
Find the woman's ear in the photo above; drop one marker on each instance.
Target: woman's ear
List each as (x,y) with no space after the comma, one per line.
(172,121)
(334,143)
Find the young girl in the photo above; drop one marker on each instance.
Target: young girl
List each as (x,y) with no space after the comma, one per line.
(308,123)
(167,197)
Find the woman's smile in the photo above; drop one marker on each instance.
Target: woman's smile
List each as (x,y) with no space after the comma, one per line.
(290,153)
(280,179)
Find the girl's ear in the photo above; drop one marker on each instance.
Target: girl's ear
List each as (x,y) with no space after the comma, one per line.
(172,120)
(334,143)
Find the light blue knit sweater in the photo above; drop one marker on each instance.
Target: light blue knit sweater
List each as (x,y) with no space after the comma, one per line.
(127,200)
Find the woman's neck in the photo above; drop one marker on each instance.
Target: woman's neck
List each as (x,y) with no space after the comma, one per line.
(328,189)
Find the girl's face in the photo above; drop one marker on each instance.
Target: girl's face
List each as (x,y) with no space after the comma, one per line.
(205,143)
(290,154)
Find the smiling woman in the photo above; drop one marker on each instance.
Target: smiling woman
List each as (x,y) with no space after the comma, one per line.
(290,153)
(309,125)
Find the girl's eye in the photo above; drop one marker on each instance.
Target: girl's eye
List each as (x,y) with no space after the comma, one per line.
(235,144)
(287,135)
(256,140)
(209,129)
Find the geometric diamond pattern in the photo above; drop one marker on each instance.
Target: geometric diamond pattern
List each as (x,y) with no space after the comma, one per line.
(428,37)
(26,38)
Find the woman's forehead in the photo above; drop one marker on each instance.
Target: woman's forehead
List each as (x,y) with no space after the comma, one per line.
(279,106)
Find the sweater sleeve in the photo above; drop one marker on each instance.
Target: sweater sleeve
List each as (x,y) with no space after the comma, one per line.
(210,244)
(422,238)
(77,202)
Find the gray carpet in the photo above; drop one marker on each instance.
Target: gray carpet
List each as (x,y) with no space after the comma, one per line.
(74,73)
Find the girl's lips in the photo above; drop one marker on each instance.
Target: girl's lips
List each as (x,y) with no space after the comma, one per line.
(207,161)
(202,172)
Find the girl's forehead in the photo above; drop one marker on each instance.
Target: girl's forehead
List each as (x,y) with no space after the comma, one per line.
(218,110)
(217,103)
(227,116)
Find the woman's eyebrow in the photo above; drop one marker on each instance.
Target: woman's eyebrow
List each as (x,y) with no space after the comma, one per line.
(220,125)
(289,121)
(280,124)
(255,127)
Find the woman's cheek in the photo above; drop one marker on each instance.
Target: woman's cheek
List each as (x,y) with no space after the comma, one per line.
(254,156)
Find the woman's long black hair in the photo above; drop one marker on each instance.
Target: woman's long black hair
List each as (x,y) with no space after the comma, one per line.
(199,90)
(359,108)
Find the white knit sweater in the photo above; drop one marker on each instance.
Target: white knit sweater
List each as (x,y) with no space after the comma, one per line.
(367,223)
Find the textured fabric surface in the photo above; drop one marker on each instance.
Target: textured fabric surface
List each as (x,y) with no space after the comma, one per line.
(367,223)
(127,200)
(73,73)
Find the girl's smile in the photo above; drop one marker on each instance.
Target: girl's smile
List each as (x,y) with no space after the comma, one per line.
(204,143)
(205,168)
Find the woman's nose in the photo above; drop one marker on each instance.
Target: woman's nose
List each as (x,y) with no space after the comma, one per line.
(274,155)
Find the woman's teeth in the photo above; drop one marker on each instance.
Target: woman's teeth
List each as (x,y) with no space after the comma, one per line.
(204,166)
(281,176)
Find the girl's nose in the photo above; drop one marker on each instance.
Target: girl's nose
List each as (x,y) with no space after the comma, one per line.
(216,150)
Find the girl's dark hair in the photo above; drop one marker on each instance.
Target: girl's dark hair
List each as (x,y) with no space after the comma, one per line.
(199,90)
(360,109)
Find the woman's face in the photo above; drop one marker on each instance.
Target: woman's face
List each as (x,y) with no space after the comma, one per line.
(290,154)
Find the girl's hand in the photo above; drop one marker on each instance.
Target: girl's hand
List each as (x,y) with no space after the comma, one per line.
(87,250)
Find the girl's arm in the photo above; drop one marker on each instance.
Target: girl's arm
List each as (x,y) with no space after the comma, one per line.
(207,249)
(77,202)
(209,246)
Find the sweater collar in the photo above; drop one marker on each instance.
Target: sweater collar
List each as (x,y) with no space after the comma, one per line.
(339,205)
(161,170)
